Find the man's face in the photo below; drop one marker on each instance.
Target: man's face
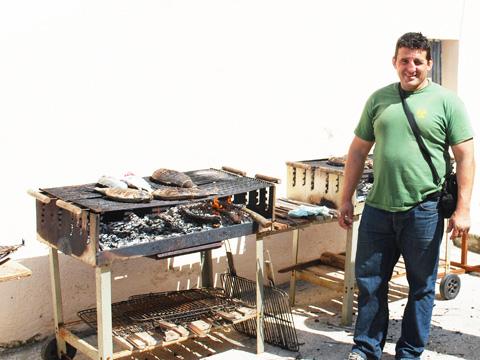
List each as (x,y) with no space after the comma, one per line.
(412,68)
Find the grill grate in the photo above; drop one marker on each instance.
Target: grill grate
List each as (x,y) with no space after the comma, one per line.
(180,306)
(278,325)
(210,180)
(143,312)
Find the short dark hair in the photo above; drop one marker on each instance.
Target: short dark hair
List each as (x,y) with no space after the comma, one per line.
(414,40)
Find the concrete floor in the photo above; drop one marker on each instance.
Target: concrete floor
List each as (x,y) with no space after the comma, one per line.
(455,330)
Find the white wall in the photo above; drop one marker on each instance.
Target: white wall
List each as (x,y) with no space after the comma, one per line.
(90,88)
(469,78)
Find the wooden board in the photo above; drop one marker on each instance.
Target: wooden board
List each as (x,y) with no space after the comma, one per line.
(323,275)
(12,270)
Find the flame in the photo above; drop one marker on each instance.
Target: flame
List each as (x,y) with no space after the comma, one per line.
(216,204)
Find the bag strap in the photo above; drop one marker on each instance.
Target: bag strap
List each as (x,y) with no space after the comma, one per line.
(416,132)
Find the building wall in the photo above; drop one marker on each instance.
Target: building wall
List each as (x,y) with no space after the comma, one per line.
(91,88)
(450,64)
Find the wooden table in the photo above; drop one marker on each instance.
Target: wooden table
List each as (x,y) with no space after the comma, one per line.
(345,283)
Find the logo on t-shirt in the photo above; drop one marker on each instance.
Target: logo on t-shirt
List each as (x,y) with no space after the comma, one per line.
(421,114)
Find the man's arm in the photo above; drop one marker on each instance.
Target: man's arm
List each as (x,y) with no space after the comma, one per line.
(465,168)
(357,153)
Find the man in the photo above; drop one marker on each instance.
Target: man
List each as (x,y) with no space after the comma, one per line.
(401,216)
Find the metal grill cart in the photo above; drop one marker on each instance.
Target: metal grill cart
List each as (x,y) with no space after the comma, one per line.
(320,182)
(73,219)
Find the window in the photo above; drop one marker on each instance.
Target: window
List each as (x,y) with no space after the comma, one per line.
(436,72)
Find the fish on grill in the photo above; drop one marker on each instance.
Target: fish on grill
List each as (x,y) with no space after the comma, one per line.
(126,195)
(177,193)
(112,182)
(172,178)
(337,160)
(341,160)
(137,182)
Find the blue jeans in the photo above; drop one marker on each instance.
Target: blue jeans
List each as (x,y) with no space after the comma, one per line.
(383,236)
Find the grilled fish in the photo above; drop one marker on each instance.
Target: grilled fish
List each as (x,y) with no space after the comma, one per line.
(112,182)
(337,160)
(126,195)
(172,178)
(176,193)
(137,182)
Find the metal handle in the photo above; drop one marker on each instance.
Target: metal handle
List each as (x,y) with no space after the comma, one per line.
(39,196)
(269,269)
(299,165)
(258,218)
(268,178)
(234,171)
(75,210)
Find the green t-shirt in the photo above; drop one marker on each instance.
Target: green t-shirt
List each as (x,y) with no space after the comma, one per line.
(402,177)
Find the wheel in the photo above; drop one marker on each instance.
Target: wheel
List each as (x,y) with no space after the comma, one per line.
(450,286)
(49,350)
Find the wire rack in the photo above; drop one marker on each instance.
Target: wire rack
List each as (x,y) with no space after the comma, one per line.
(279,328)
(143,312)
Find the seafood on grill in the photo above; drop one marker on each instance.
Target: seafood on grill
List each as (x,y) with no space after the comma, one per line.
(341,160)
(172,178)
(126,195)
(112,182)
(176,193)
(137,182)
(337,160)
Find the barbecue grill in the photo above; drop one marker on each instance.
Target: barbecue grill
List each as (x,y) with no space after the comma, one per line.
(320,182)
(73,219)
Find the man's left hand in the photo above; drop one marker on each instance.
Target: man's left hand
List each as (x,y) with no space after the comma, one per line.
(459,224)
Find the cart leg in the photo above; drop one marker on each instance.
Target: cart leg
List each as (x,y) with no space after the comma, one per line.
(207,270)
(293,275)
(260,295)
(349,280)
(57,300)
(103,279)
(447,248)
(463,258)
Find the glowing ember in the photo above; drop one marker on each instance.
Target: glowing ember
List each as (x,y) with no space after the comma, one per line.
(216,204)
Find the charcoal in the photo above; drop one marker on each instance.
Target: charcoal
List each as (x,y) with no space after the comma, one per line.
(175,221)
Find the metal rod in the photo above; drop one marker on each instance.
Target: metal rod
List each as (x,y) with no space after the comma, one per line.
(293,276)
(349,279)
(260,296)
(57,301)
(104,312)
(207,270)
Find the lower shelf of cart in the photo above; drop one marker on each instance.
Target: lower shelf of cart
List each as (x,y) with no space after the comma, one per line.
(85,339)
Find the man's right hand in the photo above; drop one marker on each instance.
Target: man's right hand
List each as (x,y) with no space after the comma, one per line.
(345,215)
(357,153)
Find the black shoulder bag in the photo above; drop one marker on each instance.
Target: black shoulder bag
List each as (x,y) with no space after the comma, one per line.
(449,193)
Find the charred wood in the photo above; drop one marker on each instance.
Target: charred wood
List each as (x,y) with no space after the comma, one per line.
(197,216)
